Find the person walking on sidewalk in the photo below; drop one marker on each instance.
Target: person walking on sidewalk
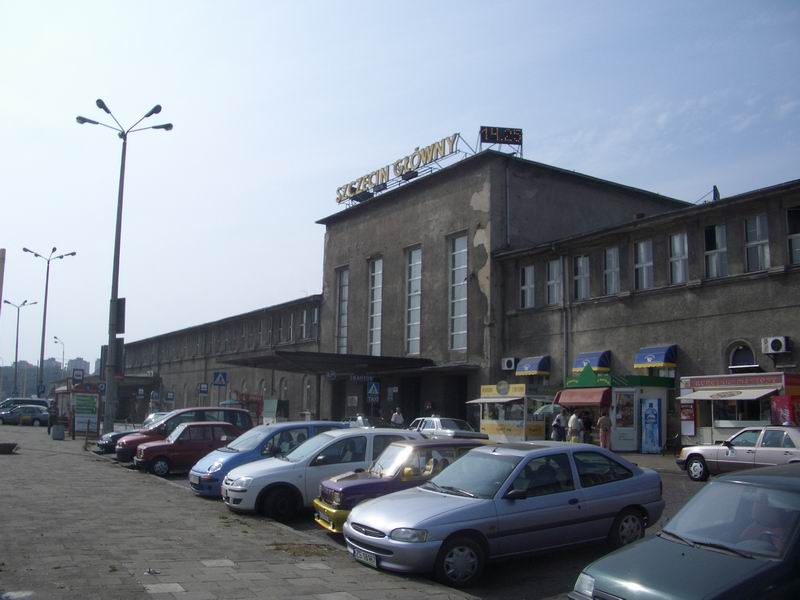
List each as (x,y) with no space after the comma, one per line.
(604,427)
(52,416)
(397,418)
(574,427)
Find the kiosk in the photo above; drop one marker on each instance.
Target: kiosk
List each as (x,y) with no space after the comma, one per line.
(507,414)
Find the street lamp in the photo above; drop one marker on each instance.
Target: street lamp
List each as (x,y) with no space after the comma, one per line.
(113,325)
(63,364)
(16,346)
(40,378)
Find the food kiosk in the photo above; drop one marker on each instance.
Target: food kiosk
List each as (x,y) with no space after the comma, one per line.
(507,414)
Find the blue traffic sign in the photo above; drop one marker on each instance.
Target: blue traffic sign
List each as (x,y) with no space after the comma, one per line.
(203,388)
(220,378)
(373,392)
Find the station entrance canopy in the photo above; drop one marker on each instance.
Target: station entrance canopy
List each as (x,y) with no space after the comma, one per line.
(329,364)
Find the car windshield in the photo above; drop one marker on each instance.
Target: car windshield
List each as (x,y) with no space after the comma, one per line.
(176,433)
(152,418)
(390,461)
(477,474)
(250,439)
(456,424)
(309,447)
(742,519)
(158,421)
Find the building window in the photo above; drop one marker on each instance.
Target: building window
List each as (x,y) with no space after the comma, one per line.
(742,360)
(580,267)
(315,322)
(301,326)
(279,332)
(554,281)
(793,228)
(526,287)
(413,300)
(458,293)
(678,258)
(290,329)
(611,270)
(756,243)
(375,306)
(643,264)
(343,287)
(716,246)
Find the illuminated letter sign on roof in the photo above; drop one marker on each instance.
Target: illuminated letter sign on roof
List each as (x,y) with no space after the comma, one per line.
(419,158)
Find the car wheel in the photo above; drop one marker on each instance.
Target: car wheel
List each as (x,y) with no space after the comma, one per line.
(160,467)
(460,562)
(627,528)
(697,469)
(2,422)
(36,423)
(280,504)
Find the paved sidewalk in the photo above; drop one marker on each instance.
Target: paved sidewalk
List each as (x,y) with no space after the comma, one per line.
(76,525)
(661,463)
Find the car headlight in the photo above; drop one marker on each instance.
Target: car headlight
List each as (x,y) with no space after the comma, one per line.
(215,466)
(585,585)
(241,483)
(337,497)
(409,535)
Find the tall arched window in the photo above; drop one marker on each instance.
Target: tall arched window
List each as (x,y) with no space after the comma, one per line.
(742,360)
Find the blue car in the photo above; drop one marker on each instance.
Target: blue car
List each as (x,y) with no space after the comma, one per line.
(260,442)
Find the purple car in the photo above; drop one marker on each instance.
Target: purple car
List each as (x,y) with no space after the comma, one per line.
(400,466)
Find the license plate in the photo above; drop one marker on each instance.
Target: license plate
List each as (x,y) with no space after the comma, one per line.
(324,517)
(194,479)
(365,557)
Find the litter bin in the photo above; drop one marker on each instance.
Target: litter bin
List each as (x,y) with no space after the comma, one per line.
(57,431)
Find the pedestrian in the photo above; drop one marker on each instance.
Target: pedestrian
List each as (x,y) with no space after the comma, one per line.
(604,427)
(558,432)
(52,416)
(397,417)
(586,421)
(574,427)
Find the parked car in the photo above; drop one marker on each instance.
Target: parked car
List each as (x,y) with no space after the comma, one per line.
(127,445)
(400,466)
(10,403)
(445,427)
(24,414)
(738,537)
(260,442)
(152,418)
(108,441)
(502,500)
(364,421)
(279,487)
(749,448)
(183,447)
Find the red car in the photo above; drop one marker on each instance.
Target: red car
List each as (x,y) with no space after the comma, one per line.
(187,444)
(238,417)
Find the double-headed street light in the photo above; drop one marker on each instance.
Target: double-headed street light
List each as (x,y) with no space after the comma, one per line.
(63,365)
(47,259)
(114,324)
(16,345)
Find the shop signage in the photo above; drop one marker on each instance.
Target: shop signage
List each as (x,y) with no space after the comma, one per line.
(502,388)
(755,379)
(588,378)
(418,158)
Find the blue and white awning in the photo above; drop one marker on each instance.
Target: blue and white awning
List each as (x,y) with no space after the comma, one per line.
(599,361)
(534,365)
(656,357)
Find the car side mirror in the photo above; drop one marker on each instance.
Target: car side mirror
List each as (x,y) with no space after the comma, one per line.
(224,438)
(269,451)
(727,444)
(516,495)
(410,473)
(319,460)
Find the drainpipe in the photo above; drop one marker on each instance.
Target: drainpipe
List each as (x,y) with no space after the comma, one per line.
(508,211)
(566,317)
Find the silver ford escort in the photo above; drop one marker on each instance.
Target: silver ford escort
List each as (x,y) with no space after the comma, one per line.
(502,500)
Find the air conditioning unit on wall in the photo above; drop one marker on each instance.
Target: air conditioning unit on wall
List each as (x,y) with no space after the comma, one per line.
(508,363)
(775,345)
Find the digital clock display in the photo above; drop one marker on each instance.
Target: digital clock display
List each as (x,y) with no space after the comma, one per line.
(501,135)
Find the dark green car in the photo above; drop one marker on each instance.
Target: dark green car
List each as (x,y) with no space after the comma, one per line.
(739,537)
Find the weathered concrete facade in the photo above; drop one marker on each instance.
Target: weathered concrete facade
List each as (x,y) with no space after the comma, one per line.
(499,203)
(185,359)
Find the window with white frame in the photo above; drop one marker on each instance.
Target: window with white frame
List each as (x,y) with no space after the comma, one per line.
(643,264)
(315,322)
(343,292)
(580,267)
(554,281)
(793,229)
(678,258)
(716,251)
(458,293)
(756,243)
(375,306)
(290,332)
(301,326)
(413,299)
(526,298)
(611,270)
(279,332)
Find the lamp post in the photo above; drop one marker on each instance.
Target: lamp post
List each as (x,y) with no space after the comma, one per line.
(40,377)
(114,327)
(63,364)
(16,344)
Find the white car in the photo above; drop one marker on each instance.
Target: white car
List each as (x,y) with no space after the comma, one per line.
(279,487)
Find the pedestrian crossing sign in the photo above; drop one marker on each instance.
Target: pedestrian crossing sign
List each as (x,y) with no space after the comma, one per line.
(220,378)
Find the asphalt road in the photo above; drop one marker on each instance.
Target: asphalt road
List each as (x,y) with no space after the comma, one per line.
(76,525)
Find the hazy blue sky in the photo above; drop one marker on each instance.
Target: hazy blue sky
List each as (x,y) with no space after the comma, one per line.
(276,104)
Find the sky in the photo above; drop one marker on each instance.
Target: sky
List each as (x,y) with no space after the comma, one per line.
(276,104)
